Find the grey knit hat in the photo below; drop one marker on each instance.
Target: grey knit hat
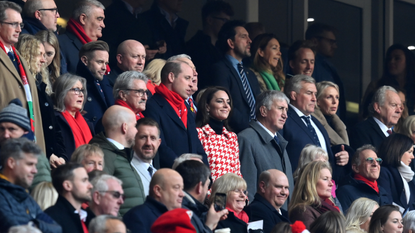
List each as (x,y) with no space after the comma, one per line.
(15,113)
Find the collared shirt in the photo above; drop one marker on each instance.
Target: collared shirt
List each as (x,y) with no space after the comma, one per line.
(82,214)
(142,169)
(8,49)
(194,105)
(382,127)
(235,63)
(116,144)
(167,16)
(270,133)
(318,132)
(131,9)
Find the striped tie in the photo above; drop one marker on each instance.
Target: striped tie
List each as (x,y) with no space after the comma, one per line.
(248,93)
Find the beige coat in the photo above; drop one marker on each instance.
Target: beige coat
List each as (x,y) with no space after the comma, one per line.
(338,134)
(11,87)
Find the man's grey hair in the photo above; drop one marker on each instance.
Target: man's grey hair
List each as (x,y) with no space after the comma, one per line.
(176,57)
(356,155)
(98,224)
(86,7)
(30,7)
(379,97)
(24,229)
(100,183)
(184,157)
(409,222)
(267,98)
(295,83)
(17,148)
(125,80)
(4,5)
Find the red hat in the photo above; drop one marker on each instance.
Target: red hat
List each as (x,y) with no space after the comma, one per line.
(174,221)
(299,227)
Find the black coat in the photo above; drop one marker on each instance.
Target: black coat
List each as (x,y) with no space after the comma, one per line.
(234,223)
(261,209)
(175,138)
(64,214)
(70,45)
(199,213)
(224,74)
(97,102)
(366,132)
(353,189)
(141,218)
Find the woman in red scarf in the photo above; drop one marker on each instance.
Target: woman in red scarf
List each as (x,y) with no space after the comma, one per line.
(236,199)
(69,98)
(312,193)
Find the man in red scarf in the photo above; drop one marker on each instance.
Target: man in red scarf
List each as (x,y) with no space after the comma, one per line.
(84,26)
(15,79)
(362,183)
(167,107)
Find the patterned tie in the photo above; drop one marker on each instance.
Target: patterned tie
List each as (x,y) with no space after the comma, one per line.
(248,93)
(150,171)
(312,130)
(192,105)
(13,59)
(389,131)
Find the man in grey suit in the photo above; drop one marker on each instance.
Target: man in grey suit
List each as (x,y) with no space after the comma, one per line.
(147,142)
(261,147)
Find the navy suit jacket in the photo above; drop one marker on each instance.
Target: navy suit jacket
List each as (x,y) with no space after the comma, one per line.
(70,46)
(366,132)
(95,104)
(298,136)
(224,74)
(176,139)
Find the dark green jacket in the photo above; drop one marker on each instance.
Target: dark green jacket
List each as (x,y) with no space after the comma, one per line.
(117,163)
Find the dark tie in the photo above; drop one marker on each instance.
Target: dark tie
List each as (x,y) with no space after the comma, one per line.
(389,131)
(277,140)
(311,129)
(13,59)
(150,171)
(247,89)
(281,153)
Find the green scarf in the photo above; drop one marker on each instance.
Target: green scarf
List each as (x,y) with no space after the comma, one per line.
(270,81)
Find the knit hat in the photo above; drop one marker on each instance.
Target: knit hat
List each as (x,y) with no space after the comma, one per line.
(15,113)
(174,221)
(299,227)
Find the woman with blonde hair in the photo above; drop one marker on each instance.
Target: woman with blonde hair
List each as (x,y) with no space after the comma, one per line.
(312,194)
(408,127)
(153,72)
(359,215)
(45,195)
(90,156)
(309,154)
(52,51)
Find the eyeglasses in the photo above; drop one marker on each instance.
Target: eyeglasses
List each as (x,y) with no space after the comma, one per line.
(240,191)
(77,90)
(139,92)
(331,41)
(49,9)
(224,20)
(15,24)
(115,194)
(372,160)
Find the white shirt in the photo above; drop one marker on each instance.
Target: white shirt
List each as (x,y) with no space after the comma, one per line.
(142,169)
(382,127)
(318,132)
(270,133)
(116,144)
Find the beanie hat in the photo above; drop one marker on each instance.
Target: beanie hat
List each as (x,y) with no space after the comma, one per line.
(299,227)
(174,221)
(15,113)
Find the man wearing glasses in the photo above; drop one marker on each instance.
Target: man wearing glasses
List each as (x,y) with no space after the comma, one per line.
(324,39)
(40,15)
(15,78)
(362,183)
(107,196)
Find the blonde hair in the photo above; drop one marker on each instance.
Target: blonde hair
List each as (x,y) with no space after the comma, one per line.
(227,183)
(85,151)
(29,48)
(153,70)
(48,36)
(305,191)
(358,213)
(406,128)
(45,195)
(309,154)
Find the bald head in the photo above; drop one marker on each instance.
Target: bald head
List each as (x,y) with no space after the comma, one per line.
(131,56)
(166,186)
(119,124)
(273,186)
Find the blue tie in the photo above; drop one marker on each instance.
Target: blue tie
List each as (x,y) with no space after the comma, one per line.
(13,59)
(247,89)
(276,139)
(150,171)
(312,130)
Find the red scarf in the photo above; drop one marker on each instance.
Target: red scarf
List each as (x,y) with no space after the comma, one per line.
(372,184)
(175,101)
(78,126)
(151,87)
(121,102)
(23,76)
(331,203)
(242,215)
(77,29)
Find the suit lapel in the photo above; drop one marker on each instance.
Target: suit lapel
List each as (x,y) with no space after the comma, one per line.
(76,42)
(237,79)
(10,66)
(322,130)
(168,110)
(376,127)
(294,116)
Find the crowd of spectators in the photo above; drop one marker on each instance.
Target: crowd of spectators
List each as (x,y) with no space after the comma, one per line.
(120,125)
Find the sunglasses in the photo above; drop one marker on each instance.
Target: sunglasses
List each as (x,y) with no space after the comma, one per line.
(115,194)
(372,160)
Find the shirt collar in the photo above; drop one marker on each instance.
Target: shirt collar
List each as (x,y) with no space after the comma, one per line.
(269,132)
(299,113)
(382,126)
(116,144)
(167,16)
(142,162)
(8,49)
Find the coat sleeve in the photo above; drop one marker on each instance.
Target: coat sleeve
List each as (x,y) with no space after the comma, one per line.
(306,217)
(248,167)
(47,226)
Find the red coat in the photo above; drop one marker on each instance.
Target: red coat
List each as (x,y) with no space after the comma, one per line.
(222,151)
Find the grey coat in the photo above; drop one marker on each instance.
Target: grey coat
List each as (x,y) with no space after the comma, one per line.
(258,152)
